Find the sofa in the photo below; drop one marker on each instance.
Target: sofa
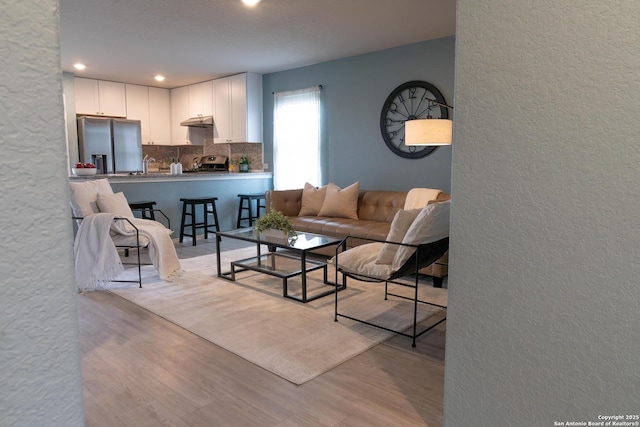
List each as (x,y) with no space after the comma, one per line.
(370,217)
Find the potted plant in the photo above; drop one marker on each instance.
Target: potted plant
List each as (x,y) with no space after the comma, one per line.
(275,224)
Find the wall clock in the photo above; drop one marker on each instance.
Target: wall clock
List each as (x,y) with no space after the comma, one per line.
(409,101)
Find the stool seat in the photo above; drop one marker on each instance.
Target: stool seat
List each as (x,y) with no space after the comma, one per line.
(246,205)
(145,208)
(192,202)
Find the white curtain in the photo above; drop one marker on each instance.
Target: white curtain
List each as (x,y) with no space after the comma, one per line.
(296,138)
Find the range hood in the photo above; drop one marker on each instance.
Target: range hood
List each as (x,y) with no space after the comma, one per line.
(199,122)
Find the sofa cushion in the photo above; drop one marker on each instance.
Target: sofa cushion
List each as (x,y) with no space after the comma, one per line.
(399,227)
(431,224)
(312,199)
(341,202)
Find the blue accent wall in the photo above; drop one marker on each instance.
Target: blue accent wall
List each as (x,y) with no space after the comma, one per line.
(354,90)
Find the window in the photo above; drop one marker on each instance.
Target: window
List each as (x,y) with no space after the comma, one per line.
(296,138)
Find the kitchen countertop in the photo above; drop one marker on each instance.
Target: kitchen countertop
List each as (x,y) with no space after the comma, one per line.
(189,176)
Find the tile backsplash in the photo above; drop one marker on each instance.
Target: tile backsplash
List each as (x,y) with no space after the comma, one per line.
(188,153)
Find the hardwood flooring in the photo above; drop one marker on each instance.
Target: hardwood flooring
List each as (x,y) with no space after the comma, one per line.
(142,370)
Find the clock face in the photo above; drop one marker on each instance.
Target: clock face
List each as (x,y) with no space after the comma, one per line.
(409,101)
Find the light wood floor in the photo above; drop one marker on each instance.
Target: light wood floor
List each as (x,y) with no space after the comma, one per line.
(141,370)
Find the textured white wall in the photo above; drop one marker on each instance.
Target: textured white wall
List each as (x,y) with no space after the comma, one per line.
(544,317)
(40,382)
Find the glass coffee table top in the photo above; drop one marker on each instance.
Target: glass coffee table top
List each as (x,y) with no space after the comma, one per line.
(303,242)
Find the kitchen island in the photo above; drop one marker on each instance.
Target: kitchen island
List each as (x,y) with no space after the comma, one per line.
(166,190)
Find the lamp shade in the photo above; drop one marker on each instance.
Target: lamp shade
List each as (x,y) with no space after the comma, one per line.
(428,132)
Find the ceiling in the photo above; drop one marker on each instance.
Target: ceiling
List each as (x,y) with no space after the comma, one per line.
(190,41)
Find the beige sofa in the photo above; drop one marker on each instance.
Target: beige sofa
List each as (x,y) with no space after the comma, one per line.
(375,211)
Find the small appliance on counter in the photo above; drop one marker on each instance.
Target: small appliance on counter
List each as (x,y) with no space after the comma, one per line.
(217,163)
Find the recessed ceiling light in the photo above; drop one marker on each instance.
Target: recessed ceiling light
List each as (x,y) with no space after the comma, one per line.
(251,2)
(79,66)
(159,78)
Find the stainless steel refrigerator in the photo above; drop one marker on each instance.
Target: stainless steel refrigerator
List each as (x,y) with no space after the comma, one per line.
(116,143)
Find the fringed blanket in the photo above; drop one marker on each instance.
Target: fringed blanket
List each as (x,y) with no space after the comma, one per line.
(96,259)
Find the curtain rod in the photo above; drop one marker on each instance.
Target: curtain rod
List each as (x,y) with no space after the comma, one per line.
(319,86)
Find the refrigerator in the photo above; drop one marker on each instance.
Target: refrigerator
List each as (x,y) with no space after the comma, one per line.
(114,145)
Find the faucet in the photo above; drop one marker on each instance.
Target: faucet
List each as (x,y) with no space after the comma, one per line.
(145,163)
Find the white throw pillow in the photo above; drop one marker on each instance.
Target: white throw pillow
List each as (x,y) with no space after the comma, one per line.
(312,200)
(361,260)
(399,226)
(84,196)
(341,203)
(431,225)
(115,204)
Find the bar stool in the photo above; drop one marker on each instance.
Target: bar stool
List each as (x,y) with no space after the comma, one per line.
(145,208)
(248,198)
(192,203)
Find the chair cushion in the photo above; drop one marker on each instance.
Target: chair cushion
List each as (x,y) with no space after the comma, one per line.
(341,203)
(84,196)
(401,223)
(431,224)
(312,200)
(360,260)
(115,204)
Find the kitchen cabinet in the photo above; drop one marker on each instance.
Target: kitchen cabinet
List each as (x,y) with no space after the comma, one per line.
(182,135)
(238,108)
(201,99)
(151,106)
(100,98)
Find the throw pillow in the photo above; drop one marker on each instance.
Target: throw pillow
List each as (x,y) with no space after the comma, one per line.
(312,199)
(115,204)
(399,226)
(84,196)
(431,225)
(341,203)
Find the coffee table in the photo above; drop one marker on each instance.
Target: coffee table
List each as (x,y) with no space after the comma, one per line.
(281,265)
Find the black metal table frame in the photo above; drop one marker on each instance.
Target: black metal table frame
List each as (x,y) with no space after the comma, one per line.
(270,269)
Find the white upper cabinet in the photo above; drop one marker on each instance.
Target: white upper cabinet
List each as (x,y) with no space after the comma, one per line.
(179,113)
(238,108)
(100,98)
(201,99)
(159,116)
(151,106)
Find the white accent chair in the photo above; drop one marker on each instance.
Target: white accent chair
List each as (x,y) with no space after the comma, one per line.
(417,239)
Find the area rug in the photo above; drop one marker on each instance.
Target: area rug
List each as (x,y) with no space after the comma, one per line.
(250,317)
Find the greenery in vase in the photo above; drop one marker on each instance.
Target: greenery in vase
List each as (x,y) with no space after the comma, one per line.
(277,221)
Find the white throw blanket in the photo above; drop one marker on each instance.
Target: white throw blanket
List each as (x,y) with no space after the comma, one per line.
(96,258)
(419,197)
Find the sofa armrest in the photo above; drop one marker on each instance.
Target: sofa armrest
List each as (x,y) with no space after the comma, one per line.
(286,201)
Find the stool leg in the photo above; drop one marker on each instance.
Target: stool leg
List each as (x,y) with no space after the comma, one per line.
(250,213)
(193,224)
(215,216)
(205,209)
(240,212)
(184,212)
